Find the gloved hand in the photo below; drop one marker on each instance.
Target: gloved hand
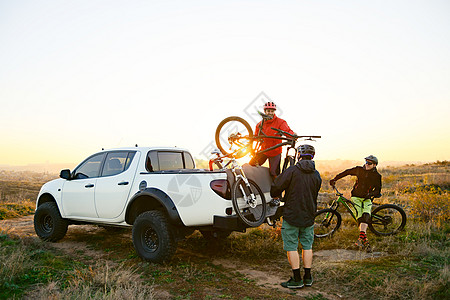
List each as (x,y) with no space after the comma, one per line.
(372,195)
(333,182)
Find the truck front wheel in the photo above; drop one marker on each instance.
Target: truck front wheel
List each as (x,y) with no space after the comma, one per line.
(48,223)
(153,237)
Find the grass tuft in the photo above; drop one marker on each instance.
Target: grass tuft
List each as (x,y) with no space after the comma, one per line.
(10,210)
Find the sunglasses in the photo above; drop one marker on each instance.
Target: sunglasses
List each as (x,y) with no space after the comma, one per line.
(369,163)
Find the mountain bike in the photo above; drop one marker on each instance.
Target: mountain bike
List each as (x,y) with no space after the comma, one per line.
(248,200)
(386,219)
(235,135)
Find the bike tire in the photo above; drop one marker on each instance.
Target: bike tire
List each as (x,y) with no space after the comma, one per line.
(222,141)
(326,222)
(251,216)
(387,219)
(288,162)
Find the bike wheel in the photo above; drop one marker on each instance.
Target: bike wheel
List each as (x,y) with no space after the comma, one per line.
(288,161)
(387,219)
(241,130)
(249,203)
(326,222)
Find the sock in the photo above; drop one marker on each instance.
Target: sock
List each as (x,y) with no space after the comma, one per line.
(297,276)
(307,273)
(362,235)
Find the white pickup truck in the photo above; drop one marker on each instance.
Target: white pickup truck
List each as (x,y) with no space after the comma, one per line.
(158,191)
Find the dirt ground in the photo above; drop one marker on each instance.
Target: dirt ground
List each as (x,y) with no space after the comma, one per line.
(71,245)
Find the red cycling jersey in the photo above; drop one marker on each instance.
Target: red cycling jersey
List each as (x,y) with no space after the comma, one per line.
(275,122)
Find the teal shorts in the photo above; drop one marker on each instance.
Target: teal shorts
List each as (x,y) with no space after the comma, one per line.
(292,234)
(362,206)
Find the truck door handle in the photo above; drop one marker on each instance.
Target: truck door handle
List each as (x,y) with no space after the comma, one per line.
(89,185)
(123,183)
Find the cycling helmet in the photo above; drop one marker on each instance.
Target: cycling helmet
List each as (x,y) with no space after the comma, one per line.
(306,150)
(270,105)
(372,159)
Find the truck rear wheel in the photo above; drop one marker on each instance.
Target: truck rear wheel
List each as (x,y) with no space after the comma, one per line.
(48,223)
(153,237)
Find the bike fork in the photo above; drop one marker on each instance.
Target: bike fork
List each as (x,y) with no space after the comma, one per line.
(249,197)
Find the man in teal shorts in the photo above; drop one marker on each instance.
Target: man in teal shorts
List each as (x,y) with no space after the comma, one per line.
(367,186)
(301,184)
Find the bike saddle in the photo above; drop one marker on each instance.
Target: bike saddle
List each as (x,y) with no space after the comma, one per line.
(216,151)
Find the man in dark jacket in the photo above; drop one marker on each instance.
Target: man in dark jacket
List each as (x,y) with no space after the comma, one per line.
(302,184)
(367,186)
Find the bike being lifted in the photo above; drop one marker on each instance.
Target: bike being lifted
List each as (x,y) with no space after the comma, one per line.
(235,139)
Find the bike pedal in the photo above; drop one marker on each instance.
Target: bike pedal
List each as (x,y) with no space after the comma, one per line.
(274,202)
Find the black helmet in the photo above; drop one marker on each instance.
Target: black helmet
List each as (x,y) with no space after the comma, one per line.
(372,159)
(306,150)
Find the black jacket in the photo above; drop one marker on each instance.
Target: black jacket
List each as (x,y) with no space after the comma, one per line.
(302,184)
(368,182)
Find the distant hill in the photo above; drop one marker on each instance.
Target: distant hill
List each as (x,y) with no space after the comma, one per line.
(322,165)
(40,168)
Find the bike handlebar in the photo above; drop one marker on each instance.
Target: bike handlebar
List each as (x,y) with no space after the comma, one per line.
(340,194)
(296,136)
(337,191)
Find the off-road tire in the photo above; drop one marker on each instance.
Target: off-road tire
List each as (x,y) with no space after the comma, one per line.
(326,222)
(153,237)
(48,223)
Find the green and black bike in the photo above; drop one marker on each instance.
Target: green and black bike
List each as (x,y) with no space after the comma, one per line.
(386,219)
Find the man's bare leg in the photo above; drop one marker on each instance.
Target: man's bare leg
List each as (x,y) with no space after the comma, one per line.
(294,259)
(307,257)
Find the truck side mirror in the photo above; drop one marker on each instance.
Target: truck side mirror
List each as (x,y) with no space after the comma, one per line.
(65,174)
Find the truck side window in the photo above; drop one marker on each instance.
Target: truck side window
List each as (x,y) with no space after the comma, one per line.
(90,167)
(129,160)
(170,161)
(148,164)
(151,163)
(115,163)
(188,161)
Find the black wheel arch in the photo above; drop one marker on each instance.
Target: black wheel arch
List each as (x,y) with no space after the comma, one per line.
(46,197)
(152,199)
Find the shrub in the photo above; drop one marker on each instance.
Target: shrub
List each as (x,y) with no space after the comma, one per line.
(431,204)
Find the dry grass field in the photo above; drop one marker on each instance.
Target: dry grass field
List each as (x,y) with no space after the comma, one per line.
(95,263)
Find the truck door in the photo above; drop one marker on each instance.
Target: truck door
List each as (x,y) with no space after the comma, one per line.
(114,184)
(78,193)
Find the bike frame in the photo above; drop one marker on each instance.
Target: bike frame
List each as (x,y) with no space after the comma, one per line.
(347,204)
(290,138)
(350,206)
(236,139)
(238,173)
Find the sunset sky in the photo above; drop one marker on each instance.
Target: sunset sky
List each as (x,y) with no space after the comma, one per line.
(371,77)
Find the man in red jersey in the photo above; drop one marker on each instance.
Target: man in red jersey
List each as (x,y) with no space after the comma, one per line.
(274,155)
